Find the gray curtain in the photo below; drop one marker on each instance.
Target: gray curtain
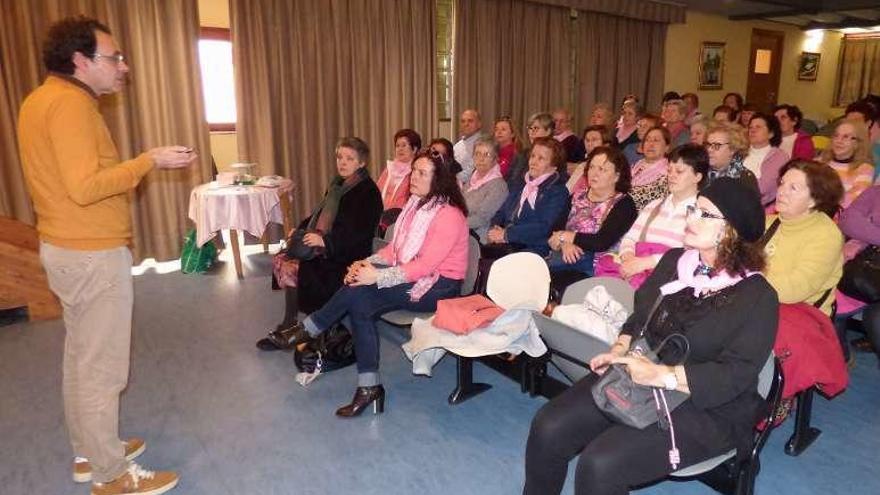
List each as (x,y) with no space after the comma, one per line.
(512,58)
(308,73)
(517,57)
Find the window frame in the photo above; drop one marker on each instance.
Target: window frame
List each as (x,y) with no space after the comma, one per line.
(217,34)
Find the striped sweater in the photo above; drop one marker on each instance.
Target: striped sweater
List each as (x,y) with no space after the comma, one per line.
(666,228)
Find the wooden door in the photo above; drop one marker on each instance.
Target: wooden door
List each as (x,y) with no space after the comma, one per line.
(765,63)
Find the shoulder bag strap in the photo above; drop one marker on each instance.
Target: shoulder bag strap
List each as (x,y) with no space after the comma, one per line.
(771,231)
(650,220)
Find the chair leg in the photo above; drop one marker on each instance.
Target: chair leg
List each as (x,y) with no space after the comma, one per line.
(465,387)
(804,434)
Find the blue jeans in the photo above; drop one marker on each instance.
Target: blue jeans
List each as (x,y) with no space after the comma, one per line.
(364,304)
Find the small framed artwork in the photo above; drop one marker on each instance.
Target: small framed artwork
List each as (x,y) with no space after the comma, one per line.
(808,66)
(711,65)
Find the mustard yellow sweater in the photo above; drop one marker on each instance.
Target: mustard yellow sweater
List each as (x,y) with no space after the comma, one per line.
(805,259)
(79,187)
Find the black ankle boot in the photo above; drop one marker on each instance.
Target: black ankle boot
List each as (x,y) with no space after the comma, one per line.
(284,339)
(363,397)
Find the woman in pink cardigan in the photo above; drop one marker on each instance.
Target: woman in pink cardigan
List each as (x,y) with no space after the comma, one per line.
(795,142)
(425,262)
(765,159)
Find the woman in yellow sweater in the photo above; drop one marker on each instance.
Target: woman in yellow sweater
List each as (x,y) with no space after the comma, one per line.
(805,253)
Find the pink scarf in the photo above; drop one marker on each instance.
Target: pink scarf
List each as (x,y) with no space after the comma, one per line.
(476,182)
(687,267)
(530,190)
(644,173)
(397,171)
(409,235)
(623,133)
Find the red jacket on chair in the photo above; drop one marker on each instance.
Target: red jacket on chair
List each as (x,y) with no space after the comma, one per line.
(807,345)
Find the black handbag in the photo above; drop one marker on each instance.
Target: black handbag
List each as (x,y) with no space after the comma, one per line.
(861,276)
(639,406)
(296,249)
(631,404)
(332,350)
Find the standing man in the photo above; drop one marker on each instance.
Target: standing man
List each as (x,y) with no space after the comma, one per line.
(469,127)
(80,190)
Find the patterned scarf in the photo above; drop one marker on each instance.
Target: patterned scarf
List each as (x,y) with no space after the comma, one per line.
(734,170)
(397,171)
(409,235)
(586,216)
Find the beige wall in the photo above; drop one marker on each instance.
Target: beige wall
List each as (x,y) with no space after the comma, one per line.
(682,62)
(224,145)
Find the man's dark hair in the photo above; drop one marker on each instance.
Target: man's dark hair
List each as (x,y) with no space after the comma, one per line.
(68,36)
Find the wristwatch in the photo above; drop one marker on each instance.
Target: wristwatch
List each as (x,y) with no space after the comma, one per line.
(670,381)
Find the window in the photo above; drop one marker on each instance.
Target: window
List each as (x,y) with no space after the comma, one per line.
(444,58)
(218,82)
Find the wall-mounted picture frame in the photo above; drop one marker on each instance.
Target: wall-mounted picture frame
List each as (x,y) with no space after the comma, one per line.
(711,74)
(808,66)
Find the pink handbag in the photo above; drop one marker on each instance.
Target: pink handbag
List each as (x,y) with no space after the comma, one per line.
(463,315)
(608,267)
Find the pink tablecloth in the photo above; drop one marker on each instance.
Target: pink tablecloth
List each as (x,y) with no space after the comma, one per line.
(249,208)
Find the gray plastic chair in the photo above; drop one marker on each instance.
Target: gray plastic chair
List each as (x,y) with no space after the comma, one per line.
(740,477)
(570,348)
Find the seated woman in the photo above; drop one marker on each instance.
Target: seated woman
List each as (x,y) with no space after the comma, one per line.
(713,294)
(630,112)
(528,214)
(425,262)
(660,225)
(860,222)
(726,144)
(600,214)
(593,137)
(539,125)
(444,147)
(795,142)
(698,129)
(509,143)
(674,114)
(765,159)
(633,150)
(649,173)
(394,181)
(341,228)
(850,156)
(805,254)
(724,113)
(486,190)
(735,102)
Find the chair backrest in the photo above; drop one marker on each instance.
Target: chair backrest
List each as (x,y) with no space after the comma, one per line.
(519,280)
(389,232)
(473,268)
(766,376)
(617,288)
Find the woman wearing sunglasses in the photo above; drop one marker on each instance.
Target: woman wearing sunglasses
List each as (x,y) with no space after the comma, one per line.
(711,292)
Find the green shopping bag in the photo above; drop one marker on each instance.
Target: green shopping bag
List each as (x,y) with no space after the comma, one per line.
(194,259)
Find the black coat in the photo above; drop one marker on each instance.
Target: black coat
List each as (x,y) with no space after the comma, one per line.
(350,239)
(731,334)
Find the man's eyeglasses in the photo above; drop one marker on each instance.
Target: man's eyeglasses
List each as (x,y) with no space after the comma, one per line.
(715,146)
(701,213)
(117,58)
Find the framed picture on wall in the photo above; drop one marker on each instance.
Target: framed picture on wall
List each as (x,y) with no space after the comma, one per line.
(808,66)
(711,65)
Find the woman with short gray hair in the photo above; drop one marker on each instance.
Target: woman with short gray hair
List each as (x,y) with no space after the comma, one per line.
(486,189)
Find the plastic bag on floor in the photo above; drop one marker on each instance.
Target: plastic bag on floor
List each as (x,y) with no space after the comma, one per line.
(195,259)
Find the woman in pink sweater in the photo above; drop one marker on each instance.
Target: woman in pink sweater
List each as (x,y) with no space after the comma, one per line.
(425,262)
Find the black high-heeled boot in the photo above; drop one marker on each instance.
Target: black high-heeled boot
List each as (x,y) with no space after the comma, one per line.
(363,397)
